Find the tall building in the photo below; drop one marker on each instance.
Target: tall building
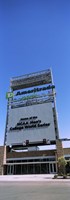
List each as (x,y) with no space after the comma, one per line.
(31,122)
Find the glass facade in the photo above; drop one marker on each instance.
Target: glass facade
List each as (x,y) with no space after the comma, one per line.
(32,166)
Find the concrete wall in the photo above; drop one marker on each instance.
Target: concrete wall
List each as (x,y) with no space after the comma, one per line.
(30,154)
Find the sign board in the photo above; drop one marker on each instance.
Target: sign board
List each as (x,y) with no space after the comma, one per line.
(9,95)
(33,123)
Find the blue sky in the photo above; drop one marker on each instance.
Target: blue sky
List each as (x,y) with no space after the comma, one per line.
(35,35)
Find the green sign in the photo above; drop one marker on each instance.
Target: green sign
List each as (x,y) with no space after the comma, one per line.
(9,95)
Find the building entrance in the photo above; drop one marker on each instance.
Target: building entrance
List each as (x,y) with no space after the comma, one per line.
(36,168)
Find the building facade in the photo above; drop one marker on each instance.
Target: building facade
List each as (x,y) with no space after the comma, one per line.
(32,122)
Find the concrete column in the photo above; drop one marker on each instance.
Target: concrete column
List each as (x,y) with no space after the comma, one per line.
(59,149)
(1,159)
